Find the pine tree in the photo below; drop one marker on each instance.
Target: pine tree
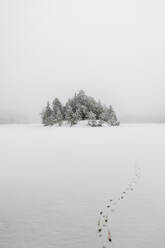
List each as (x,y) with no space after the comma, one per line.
(112,117)
(70,116)
(46,115)
(57,110)
(59,117)
(98,109)
(57,105)
(68,113)
(92,119)
(105,115)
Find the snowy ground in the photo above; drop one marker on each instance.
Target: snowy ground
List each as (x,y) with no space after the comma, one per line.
(54,181)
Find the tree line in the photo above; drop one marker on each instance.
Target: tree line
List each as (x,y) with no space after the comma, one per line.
(79,107)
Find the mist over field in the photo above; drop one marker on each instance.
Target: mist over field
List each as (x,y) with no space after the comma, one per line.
(114,50)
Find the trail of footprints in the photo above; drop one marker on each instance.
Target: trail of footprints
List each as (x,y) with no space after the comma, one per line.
(104,220)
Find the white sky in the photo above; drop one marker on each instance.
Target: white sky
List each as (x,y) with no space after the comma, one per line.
(114,50)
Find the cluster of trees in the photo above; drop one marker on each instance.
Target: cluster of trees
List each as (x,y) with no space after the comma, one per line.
(79,107)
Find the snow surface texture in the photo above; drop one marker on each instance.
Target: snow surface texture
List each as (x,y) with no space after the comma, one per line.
(104,224)
(54,180)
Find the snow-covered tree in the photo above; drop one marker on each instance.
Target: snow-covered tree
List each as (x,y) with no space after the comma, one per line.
(79,107)
(108,115)
(57,109)
(46,115)
(59,117)
(112,117)
(56,104)
(92,119)
(105,115)
(98,109)
(82,111)
(70,116)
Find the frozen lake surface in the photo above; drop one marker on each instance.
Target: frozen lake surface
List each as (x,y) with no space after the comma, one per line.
(54,181)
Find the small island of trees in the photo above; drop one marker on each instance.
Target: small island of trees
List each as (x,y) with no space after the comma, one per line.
(79,107)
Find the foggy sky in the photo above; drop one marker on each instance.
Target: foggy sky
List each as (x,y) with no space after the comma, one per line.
(112,49)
